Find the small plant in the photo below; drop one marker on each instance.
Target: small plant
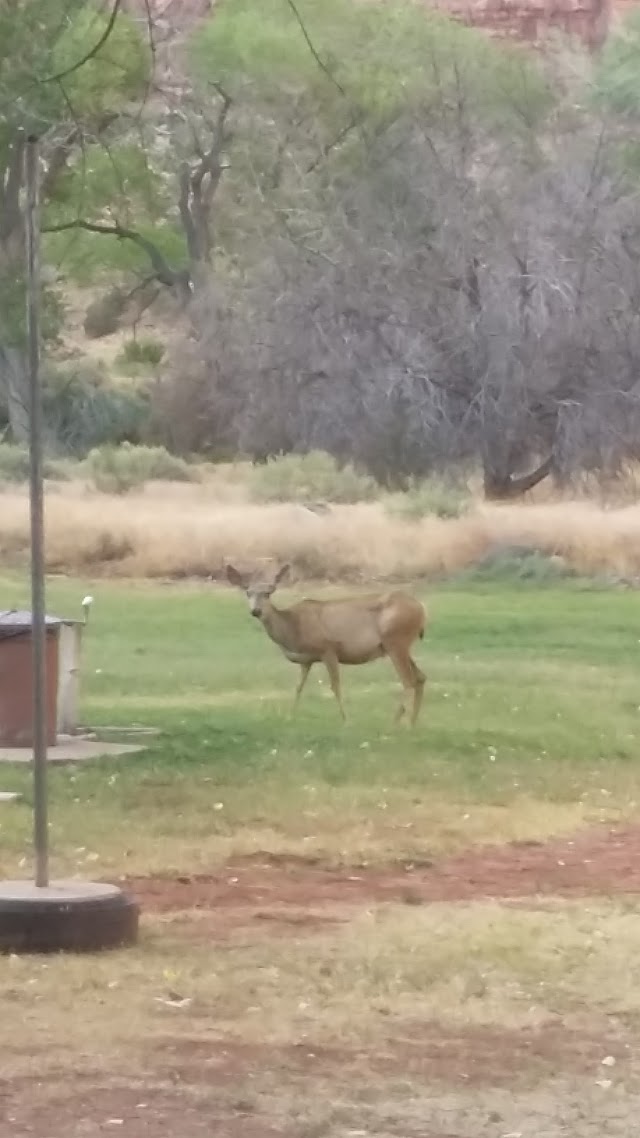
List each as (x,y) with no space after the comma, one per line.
(83,409)
(316,475)
(430,498)
(117,469)
(510,563)
(14,465)
(139,355)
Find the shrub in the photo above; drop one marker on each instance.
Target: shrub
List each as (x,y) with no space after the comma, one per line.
(14,465)
(430,498)
(303,477)
(136,354)
(517,563)
(104,314)
(83,410)
(116,469)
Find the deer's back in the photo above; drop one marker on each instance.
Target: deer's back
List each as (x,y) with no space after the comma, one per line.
(356,627)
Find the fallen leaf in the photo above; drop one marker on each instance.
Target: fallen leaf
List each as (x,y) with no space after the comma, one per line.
(174,1002)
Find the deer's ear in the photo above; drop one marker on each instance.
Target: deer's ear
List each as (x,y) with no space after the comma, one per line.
(234,577)
(281,575)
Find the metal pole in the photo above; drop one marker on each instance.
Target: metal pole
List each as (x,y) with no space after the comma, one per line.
(41,827)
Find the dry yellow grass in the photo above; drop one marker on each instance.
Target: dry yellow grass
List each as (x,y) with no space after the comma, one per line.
(171,530)
(342,826)
(368,981)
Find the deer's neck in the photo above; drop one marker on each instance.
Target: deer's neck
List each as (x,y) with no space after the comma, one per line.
(281,626)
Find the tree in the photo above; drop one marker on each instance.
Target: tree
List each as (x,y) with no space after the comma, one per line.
(444,286)
(464,328)
(444,282)
(322,143)
(68,70)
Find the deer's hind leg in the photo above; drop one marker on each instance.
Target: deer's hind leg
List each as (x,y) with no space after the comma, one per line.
(411,678)
(418,690)
(331,664)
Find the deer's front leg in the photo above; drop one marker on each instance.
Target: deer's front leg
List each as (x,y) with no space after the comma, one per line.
(304,675)
(333,668)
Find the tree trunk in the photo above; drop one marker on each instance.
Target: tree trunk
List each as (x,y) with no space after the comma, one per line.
(14,390)
(502,486)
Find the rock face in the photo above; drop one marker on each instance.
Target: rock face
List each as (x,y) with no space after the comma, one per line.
(532,20)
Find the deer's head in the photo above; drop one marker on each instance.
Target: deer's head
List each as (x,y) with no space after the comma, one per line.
(258,587)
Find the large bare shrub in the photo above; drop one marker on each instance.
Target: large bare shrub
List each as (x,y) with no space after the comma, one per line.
(449,281)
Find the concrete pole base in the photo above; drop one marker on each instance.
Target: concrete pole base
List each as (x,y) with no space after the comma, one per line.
(65,916)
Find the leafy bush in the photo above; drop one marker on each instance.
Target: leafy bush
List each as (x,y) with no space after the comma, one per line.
(116,469)
(14,465)
(147,352)
(301,477)
(83,410)
(517,563)
(430,498)
(616,77)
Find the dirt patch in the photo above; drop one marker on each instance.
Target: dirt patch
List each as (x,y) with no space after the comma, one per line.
(602,861)
(412,1080)
(473,1055)
(203,1086)
(205,924)
(86,1109)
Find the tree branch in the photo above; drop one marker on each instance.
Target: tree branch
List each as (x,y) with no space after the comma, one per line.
(513,486)
(10,189)
(185,211)
(163,271)
(198,184)
(91,53)
(309,42)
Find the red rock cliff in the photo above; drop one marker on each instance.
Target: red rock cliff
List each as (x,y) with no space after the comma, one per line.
(531,20)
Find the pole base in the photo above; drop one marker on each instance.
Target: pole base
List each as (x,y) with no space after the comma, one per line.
(65,916)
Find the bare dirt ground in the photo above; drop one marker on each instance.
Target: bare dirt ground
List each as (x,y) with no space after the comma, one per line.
(425,1080)
(600,861)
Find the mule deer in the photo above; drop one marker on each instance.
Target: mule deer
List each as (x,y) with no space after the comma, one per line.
(349,631)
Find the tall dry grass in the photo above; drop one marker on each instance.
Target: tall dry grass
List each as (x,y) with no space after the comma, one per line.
(173,530)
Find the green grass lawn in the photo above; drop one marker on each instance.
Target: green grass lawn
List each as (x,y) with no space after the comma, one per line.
(529,726)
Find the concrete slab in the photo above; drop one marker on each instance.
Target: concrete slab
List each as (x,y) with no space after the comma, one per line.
(72,891)
(116,733)
(70,750)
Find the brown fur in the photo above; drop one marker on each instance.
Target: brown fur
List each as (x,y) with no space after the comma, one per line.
(351,631)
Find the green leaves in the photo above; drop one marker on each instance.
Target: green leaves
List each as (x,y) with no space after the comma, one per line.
(119,70)
(13,310)
(617,74)
(43,40)
(378,58)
